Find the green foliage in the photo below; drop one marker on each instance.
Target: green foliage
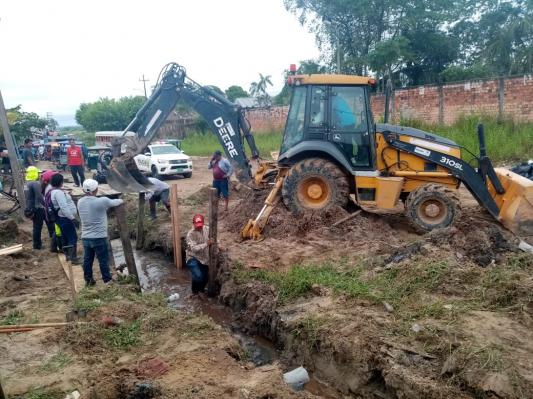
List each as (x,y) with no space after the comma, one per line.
(14,317)
(40,393)
(300,279)
(422,41)
(234,92)
(108,114)
(56,363)
(258,89)
(506,140)
(22,123)
(205,144)
(124,336)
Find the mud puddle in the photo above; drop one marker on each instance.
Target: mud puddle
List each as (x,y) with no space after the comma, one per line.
(157,273)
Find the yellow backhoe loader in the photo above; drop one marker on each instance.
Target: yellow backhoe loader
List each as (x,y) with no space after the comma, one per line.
(332,150)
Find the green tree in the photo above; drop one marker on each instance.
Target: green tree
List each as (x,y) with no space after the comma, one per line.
(234,92)
(23,124)
(258,90)
(108,114)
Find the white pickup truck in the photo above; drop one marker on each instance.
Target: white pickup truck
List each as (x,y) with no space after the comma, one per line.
(164,160)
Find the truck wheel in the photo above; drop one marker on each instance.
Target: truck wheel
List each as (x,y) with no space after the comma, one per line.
(432,206)
(187,175)
(154,172)
(315,184)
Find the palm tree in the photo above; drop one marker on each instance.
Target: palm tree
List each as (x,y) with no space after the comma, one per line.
(258,89)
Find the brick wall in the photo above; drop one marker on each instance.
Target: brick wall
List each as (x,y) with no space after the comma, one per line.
(510,97)
(265,120)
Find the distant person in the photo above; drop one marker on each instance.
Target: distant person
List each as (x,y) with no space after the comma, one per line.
(27,153)
(222,171)
(34,204)
(65,213)
(93,216)
(160,193)
(5,164)
(40,150)
(76,162)
(55,238)
(197,254)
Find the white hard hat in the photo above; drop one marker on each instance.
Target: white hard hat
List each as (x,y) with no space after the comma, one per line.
(89,185)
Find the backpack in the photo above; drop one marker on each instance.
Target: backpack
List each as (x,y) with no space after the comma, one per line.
(50,213)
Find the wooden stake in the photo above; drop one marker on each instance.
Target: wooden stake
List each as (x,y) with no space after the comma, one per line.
(176,233)
(120,212)
(2,394)
(344,219)
(15,166)
(112,263)
(140,222)
(213,252)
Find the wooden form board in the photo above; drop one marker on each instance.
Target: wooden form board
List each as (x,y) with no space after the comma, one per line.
(79,281)
(11,250)
(176,233)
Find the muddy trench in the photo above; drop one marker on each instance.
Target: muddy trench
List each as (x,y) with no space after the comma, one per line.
(366,368)
(157,273)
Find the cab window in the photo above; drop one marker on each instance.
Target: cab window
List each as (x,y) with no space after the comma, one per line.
(294,129)
(348,111)
(318,107)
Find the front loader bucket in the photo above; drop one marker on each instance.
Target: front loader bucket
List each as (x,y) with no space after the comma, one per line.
(516,204)
(124,176)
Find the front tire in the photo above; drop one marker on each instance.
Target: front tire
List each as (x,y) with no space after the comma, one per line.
(187,175)
(432,206)
(315,184)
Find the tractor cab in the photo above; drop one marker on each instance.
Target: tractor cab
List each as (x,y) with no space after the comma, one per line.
(330,114)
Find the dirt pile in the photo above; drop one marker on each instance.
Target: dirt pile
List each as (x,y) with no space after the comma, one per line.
(9,231)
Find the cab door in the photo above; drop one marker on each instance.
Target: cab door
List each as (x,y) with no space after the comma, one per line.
(349,123)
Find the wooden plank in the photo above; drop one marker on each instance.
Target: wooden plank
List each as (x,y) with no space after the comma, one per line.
(11,151)
(140,222)
(77,272)
(120,213)
(11,250)
(176,232)
(40,325)
(213,253)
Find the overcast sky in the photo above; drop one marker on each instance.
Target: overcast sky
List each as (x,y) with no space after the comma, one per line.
(57,54)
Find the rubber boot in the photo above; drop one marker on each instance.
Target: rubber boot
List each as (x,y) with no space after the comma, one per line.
(73,257)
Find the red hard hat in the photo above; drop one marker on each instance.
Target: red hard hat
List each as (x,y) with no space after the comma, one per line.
(198,220)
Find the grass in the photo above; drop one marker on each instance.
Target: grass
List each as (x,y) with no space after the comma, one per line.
(14,317)
(506,140)
(205,144)
(56,363)
(308,329)
(124,336)
(40,393)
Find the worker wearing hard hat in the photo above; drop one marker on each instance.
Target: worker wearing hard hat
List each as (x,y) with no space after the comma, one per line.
(197,253)
(34,204)
(93,216)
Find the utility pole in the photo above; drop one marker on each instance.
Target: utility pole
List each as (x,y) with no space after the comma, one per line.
(12,152)
(144,85)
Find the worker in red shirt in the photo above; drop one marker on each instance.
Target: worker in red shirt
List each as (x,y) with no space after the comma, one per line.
(75,162)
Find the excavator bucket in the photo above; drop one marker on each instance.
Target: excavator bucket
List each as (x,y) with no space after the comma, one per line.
(516,204)
(124,176)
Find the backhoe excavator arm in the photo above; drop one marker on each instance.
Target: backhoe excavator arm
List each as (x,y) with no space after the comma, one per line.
(224,118)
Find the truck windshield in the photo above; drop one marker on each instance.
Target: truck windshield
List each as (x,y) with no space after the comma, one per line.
(165,149)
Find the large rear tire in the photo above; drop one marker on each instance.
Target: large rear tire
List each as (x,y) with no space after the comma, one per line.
(315,184)
(432,206)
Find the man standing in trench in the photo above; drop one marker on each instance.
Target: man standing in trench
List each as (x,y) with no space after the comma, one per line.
(93,215)
(197,253)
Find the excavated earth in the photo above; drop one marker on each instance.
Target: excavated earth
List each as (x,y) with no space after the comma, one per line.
(442,315)
(369,307)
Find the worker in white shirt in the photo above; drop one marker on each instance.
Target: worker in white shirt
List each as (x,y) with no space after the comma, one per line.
(160,193)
